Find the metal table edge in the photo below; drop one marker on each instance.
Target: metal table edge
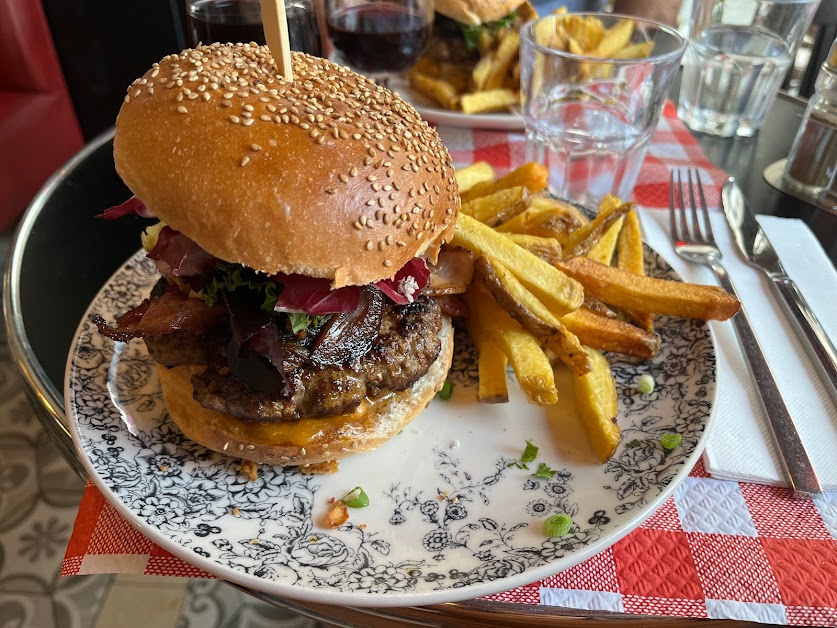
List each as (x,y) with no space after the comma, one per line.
(46,400)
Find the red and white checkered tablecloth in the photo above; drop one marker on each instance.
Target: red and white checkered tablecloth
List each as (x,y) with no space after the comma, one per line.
(716,549)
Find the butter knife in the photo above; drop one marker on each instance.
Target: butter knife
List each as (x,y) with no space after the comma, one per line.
(757,251)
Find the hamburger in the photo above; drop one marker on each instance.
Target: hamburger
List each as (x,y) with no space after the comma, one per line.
(296,321)
(462,28)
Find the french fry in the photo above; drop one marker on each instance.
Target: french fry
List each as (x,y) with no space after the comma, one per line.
(560,294)
(546,222)
(504,59)
(532,176)
(595,395)
(468,177)
(611,334)
(630,258)
(487,100)
(481,72)
(636,51)
(647,294)
(587,31)
(535,318)
(580,241)
(602,251)
(493,387)
(531,367)
(498,207)
(438,89)
(548,249)
(614,39)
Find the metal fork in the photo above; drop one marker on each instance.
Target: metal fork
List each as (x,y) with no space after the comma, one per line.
(697,244)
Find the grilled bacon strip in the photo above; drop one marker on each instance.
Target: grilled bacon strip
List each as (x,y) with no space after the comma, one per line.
(170,312)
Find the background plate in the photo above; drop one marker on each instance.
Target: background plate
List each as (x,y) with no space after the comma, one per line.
(448,518)
(434,114)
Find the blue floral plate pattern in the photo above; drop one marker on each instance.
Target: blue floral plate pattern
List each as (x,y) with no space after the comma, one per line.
(448,518)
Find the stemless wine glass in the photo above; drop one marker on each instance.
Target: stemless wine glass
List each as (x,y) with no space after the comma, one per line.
(379,38)
(240,21)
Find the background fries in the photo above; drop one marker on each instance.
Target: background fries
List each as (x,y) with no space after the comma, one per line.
(546,288)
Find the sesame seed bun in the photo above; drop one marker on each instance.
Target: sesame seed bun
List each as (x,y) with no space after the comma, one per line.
(326,442)
(476,12)
(328,176)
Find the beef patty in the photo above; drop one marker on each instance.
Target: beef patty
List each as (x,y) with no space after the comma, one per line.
(407,345)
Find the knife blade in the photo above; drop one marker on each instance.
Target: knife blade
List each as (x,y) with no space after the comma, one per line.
(756,249)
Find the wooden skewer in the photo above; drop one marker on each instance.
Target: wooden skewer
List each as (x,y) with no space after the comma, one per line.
(276,33)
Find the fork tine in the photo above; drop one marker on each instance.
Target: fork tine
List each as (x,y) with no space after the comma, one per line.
(710,237)
(672,209)
(686,234)
(693,203)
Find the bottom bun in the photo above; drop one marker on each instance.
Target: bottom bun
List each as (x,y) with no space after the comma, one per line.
(303,442)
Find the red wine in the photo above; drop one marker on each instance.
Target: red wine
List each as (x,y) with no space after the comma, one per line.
(225,21)
(236,21)
(379,38)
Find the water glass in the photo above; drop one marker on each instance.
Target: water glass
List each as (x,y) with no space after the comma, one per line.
(739,53)
(589,119)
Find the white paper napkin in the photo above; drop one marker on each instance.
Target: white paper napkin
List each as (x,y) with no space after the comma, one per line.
(740,446)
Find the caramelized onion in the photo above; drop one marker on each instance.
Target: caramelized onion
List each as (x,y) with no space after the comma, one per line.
(347,337)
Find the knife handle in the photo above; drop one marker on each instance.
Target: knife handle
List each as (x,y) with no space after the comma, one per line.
(809,330)
(799,470)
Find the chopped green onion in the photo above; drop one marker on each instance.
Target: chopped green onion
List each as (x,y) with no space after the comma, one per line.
(530,453)
(557,525)
(356,498)
(646,384)
(671,441)
(544,472)
(446,392)
(633,443)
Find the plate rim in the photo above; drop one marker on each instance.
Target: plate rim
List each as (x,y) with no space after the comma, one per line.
(352,598)
(498,121)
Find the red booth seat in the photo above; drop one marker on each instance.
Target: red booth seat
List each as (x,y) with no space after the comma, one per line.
(39,130)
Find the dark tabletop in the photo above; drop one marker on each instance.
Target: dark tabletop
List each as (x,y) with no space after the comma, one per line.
(69,254)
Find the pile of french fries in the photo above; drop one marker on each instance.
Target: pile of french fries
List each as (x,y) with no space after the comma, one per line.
(486,84)
(491,83)
(546,290)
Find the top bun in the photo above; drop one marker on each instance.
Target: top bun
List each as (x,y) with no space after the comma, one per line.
(328,176)
(476,12)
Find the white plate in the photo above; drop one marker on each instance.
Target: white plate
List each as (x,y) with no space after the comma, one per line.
(448,518)
(432,113)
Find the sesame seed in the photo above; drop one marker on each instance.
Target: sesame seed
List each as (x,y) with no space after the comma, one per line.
(226,103)
(245,160)
(251,446)
(331,191)
(227,444)
(369,245)
(343,177)
(182,109)
(387,263)
(248,122)
(206,95)
(255,147)
(235,119)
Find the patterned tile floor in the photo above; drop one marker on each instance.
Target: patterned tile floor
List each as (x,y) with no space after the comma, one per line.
(39,495)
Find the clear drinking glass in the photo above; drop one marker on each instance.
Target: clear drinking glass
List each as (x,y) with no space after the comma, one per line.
(739,53)
(588,119)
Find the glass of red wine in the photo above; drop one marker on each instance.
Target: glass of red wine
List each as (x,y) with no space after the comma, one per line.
(240,21)
(379,38)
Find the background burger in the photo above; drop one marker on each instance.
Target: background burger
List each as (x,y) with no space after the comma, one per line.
(293,323)
(464,30)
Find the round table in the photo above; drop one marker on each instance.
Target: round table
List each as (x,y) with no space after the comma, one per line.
(62,254)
